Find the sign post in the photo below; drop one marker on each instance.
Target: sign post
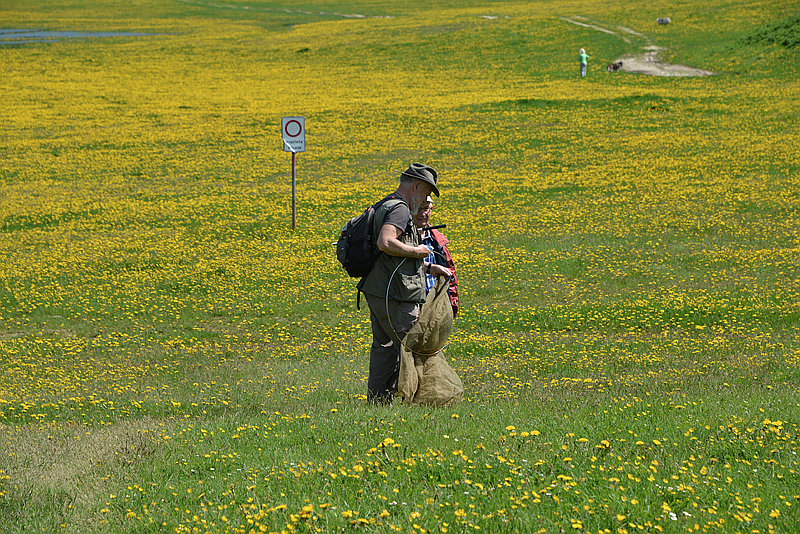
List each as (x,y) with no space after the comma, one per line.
(293,131)
(294,191)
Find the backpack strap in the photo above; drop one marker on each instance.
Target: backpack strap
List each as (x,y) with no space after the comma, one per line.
(380,214)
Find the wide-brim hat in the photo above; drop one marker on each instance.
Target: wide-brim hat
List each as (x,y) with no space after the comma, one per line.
(424,173)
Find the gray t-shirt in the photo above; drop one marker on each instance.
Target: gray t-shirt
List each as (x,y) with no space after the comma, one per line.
(398,216)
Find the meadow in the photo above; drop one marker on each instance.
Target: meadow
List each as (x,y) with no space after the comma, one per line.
(176,358)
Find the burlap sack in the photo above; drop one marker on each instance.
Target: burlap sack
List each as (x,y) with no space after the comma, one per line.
(425,376)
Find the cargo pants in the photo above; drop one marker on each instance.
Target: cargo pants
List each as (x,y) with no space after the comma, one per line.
(384,354)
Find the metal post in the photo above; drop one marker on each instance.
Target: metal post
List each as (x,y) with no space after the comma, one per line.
(294,192)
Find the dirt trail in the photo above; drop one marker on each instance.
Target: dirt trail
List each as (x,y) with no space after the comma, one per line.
(649,61)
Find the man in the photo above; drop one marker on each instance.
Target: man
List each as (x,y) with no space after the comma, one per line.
(583,58)
(437,244)
(395,307)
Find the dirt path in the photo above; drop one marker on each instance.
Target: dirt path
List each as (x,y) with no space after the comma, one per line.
(649,61)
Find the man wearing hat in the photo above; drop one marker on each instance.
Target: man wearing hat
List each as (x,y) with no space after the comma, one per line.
(395,307)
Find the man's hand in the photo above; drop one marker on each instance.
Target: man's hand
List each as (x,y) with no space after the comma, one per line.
(420,252)
(439,270)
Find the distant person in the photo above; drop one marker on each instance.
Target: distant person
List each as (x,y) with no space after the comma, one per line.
(583,57)
(395,308)
(437,243)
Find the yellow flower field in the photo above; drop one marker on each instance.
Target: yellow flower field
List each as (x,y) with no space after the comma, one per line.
(176,358)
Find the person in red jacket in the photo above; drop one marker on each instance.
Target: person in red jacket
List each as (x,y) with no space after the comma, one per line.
(437,243)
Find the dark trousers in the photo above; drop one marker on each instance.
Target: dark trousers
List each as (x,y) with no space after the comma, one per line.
(384,353)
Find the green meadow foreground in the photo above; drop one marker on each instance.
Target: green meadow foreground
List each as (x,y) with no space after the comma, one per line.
(176,359)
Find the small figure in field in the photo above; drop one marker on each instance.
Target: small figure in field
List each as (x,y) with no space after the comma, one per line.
(437,243)
(395,308)
(583,57)
(614,67)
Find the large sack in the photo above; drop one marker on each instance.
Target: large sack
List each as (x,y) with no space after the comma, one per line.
(425,376)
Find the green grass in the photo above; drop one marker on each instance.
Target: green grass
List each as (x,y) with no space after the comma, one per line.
(785,32)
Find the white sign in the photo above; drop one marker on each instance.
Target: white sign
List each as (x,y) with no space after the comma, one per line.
(293,130)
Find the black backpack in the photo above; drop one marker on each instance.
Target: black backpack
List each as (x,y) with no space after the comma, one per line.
(356,249)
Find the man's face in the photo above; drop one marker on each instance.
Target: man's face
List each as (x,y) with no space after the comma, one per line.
(421,192)
(423,215)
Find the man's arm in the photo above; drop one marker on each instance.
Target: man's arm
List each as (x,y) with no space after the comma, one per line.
(389,243)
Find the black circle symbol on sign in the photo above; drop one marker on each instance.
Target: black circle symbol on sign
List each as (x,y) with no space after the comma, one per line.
(293,125)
